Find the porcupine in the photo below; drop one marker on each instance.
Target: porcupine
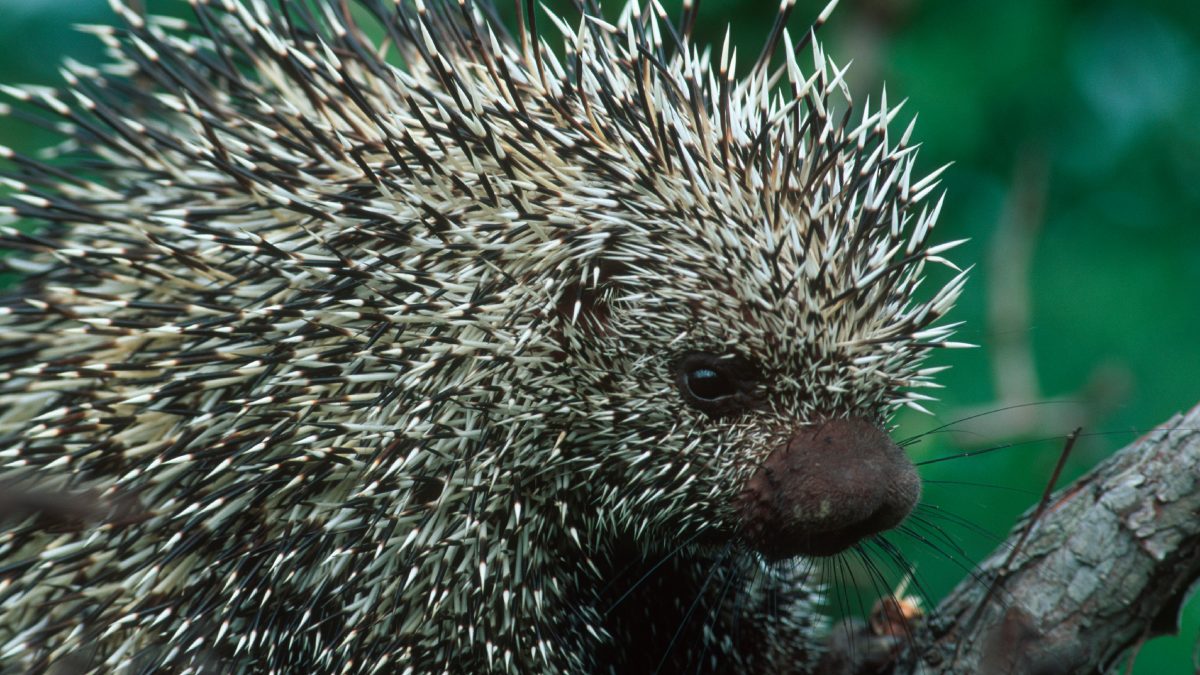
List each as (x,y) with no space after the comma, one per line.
(442,352)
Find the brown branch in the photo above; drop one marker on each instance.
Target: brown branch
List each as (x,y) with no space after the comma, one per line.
(1107,565)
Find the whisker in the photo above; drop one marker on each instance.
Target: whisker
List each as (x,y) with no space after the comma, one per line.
(885,593)
(715,615)
(1007,408)
(692,608)
(949,557)
(641,580)
(965,483)
(1045,439)
(902,566)
(936,532)
(934,511)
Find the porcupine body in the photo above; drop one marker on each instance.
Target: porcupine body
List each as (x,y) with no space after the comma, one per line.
(477,359)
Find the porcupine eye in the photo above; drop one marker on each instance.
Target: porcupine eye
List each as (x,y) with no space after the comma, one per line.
(715,385)
(707,384)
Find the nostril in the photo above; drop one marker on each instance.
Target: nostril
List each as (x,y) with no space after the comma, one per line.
(828,487)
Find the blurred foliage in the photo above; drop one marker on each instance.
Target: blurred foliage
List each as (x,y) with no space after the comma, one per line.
(1073,130)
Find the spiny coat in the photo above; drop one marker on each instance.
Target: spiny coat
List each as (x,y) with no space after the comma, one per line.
(349,339)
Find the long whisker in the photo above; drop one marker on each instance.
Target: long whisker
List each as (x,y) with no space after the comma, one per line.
(715,615)
(646,575)
(933,511)
(972,484)
(692,608)
(1007,408)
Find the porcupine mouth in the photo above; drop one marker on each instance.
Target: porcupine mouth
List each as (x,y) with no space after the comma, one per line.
(788,544)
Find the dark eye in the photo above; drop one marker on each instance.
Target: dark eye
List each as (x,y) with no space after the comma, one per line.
(707,384)
(716,384)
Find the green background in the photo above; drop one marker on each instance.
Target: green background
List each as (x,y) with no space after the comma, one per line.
(1074,128)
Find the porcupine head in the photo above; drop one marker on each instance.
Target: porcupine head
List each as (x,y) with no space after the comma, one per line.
(491,357)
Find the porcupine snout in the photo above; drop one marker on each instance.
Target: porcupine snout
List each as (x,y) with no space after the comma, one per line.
(829,486)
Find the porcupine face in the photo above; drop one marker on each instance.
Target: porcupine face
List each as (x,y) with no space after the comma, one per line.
(749,400)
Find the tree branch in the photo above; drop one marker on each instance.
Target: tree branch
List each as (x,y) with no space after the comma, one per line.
(1107,566)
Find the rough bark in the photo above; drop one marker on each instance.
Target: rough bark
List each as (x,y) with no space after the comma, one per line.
(1107,564)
